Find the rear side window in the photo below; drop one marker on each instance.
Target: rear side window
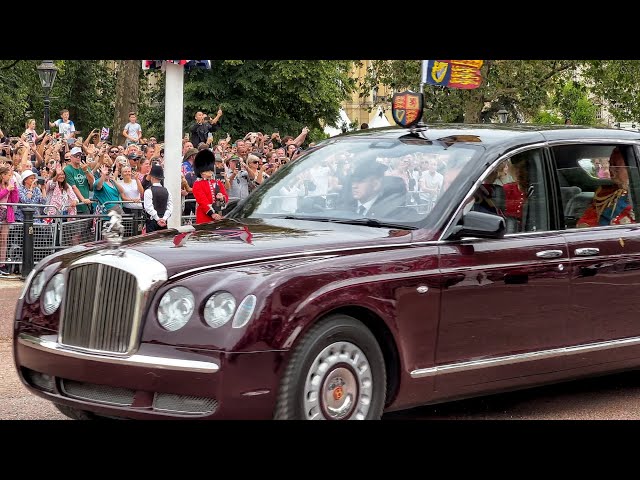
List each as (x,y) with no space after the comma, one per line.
(516,190)
(599,184)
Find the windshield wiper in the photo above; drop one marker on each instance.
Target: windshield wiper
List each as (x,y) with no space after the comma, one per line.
(371,222)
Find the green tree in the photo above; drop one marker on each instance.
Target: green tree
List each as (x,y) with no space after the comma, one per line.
(19,89)
(617,82)
(85,88)
(544,117)
(261,95)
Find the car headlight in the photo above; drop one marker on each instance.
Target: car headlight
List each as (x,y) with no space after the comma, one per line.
(176,307)
(52,297)
(219,309)
(35,289)
(245,310)
(27,284)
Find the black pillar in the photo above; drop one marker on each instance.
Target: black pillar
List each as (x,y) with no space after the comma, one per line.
(46,113)
(138,221)
(27,241)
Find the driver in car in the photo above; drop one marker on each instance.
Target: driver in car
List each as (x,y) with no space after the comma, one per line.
(375,194)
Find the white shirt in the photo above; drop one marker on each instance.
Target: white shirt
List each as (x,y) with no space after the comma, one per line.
(65,129)
(367,205)
(131,191)
(434,181)
(148,204)
(133,130)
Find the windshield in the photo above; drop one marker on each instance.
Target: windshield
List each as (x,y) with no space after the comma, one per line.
(365,180)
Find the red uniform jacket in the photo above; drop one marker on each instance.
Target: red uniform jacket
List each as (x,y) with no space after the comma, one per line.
(203,191)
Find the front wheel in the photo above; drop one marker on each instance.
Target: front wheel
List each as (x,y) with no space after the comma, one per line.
(336,372)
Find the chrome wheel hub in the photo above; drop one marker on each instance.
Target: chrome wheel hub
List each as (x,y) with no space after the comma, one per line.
(339,384)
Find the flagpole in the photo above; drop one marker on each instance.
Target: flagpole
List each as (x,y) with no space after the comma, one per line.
(173,138)
(423,79)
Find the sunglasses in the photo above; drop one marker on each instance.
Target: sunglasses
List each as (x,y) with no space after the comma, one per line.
(114,151)
(76,155)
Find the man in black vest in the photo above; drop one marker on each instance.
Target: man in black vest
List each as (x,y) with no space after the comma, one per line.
(157,201)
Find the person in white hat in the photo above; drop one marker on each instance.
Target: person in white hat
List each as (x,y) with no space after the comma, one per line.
(30,193)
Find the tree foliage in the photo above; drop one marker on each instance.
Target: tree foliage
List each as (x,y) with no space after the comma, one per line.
(572,102)
(85,88)
(19,88)
(618,83)
(262,95)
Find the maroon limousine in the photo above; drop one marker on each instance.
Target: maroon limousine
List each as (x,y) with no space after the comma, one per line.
(381,270)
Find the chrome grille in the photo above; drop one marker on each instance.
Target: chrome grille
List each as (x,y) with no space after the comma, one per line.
(98,393)
(99,308)
(169,402)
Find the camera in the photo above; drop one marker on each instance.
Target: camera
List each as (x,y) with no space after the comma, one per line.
(219,206)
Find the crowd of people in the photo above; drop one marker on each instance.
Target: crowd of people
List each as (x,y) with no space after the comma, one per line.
(61,175)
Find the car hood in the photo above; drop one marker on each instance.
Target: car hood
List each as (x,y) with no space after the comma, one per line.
(232,241)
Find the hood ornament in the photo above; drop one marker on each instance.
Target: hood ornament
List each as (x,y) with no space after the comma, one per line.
(113,231)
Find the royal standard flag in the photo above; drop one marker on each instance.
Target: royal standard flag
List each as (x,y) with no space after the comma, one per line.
(463,74)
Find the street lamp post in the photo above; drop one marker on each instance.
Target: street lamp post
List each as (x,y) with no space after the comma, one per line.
(47,73)
(502,115)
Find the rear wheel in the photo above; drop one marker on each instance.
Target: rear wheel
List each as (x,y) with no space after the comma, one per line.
(336,372)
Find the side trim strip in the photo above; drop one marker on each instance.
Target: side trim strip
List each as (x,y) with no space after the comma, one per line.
(523,357)
(134,360)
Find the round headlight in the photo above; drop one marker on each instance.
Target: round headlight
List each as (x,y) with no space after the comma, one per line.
(219,309)
(175,309)
(35,289)
(52,297)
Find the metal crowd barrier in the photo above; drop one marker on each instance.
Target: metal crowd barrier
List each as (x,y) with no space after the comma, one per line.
(30,241)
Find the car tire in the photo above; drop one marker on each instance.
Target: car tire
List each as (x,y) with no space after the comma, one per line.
(73,413)
(336,372)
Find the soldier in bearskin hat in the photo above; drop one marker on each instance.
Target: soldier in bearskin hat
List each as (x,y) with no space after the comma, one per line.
(211,196)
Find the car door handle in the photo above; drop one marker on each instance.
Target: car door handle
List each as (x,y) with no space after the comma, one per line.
(549,254)
(586,252)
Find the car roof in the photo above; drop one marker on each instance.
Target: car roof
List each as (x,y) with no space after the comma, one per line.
(496,134)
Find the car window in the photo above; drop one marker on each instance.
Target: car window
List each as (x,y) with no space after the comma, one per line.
(389,180)
(598,184)
(516,190)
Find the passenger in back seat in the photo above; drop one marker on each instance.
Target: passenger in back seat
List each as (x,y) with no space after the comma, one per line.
(611,205)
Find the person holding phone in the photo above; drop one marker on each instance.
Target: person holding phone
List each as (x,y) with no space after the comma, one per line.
(31,136)
(80,178)
(200,129)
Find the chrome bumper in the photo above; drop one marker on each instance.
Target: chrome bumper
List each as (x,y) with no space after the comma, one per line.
(49,344)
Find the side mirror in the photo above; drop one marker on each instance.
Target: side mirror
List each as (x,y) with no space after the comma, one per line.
(479,224)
